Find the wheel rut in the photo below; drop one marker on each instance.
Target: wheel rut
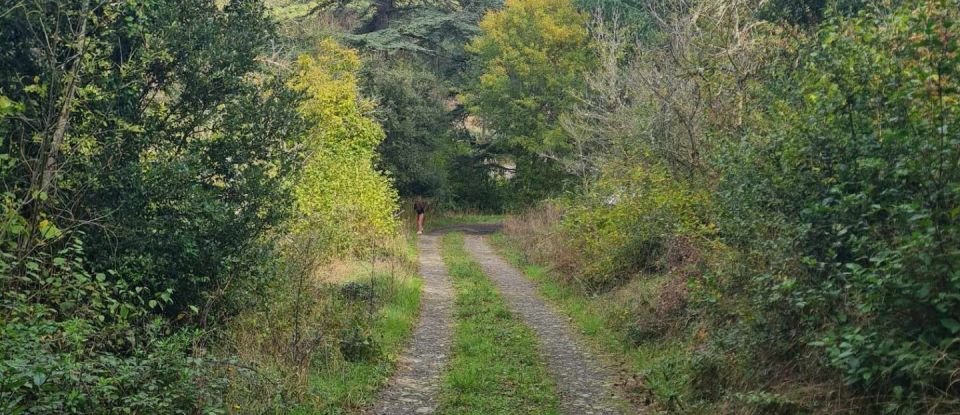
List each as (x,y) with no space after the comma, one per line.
(584,384)
(413,388)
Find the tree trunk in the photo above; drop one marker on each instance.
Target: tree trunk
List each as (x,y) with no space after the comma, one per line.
(63,117)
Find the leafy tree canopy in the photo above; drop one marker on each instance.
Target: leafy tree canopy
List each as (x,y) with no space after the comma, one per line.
(531,57)
(339,192)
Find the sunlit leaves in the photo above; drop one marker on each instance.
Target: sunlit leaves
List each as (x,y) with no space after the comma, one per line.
(532,55)
(531,58)
(339,192)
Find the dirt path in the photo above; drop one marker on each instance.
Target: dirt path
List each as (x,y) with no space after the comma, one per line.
(413,389)
(584,385)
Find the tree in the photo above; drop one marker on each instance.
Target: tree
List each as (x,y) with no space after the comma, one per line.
(340,193)
(431,29)
(415,63)
(411,104)
(531,57)
(165,103)
(147,154)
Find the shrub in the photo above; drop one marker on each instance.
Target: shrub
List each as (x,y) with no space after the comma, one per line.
(339,193)
(146,152)
(626,223)
(540,240)
(76,342)
(847,200)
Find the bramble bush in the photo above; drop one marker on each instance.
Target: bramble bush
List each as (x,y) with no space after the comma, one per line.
(77,342)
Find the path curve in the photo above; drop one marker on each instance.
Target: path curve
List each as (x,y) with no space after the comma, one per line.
(584,385)
(413,388)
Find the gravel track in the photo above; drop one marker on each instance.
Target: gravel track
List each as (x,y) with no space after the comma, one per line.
(584,385)
(413,389)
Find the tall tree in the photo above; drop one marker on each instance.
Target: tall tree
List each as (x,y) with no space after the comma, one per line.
(531,57)
(411,104)
(154,127)
(340,193)
(147,150)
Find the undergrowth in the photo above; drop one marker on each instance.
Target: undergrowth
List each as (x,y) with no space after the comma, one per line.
(326,344)
(675,359)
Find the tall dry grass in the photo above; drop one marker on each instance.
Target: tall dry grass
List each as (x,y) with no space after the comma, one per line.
(319,316)
(540,239)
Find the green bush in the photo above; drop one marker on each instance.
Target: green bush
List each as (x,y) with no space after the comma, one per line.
(847,201)
(146,156)
(76,342)
(624,224)
(48,368)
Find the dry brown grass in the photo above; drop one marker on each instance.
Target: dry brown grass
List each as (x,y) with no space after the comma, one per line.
(339,271)
(683,261)
(541,241)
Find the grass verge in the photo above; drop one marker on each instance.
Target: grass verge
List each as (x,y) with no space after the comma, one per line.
(324,340)
(495,367)
(345,386)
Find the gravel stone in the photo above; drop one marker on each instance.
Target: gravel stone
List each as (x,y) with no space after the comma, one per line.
(416,382)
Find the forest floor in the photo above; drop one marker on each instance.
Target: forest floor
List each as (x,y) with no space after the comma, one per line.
(532,351)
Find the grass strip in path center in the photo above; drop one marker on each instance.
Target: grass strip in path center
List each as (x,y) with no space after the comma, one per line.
(583,382)
(495,367)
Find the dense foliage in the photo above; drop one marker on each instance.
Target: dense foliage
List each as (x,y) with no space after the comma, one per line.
(531,57)
(762,196)
(860,160)
(152,153)
(776,188)
(146,150)
(339,193)
(417,125)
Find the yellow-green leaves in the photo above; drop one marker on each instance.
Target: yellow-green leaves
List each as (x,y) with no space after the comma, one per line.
(7,106)
(340,193)
(533,54)
(48,230)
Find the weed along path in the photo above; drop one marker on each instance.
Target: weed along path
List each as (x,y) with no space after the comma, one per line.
(582,383)
(413,389)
